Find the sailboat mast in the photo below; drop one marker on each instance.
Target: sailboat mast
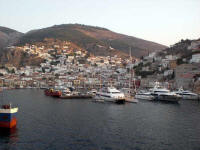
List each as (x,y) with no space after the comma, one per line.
(110,84)
(2,102)
(130,81)
(131,70)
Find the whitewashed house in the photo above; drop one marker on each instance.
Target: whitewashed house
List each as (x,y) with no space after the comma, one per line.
(168,72)
(195,58)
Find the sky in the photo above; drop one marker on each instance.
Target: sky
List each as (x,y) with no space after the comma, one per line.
(162,21)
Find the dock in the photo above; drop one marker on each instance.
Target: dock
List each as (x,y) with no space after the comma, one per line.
(76,96)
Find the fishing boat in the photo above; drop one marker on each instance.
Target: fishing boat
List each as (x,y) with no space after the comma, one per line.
(76,95)
(52,92)
(8,116)
(110,94)
(73,94)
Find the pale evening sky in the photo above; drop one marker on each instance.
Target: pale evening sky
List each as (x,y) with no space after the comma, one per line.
(162,21)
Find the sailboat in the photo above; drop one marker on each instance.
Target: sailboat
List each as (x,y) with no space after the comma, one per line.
(8,116)
(128,96)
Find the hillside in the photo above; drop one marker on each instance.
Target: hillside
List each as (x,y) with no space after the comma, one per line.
(8,37)
(19,58)
(96,40)
(180,53)
(184,49)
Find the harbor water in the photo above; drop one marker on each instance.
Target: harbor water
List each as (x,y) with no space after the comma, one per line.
(46,123)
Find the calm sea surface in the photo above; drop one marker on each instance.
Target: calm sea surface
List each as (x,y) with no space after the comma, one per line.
(46,123)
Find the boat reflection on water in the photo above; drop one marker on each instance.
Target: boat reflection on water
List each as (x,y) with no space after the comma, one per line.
(9,136)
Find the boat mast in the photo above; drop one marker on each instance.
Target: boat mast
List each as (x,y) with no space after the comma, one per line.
(110,84)
(130,80)
(100,82)
(1,90)
(131,70)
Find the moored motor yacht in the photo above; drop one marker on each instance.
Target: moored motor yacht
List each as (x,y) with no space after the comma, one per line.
(163,94)
(110,94)
(187,94)
(143,95)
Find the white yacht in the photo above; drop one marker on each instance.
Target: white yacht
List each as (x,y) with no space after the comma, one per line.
(110,94)
(163,94)
(187,94)
(144,95)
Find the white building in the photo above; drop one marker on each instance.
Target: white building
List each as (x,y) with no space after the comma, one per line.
(168,72)
(152,55)
(195,58)
(194,45)
(3,71)
(171,57)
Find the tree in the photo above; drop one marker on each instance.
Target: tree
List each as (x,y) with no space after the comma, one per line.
(12,71)
(23,74)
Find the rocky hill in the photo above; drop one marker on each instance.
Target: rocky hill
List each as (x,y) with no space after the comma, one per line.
(8,37)
(96,40)
(19,58)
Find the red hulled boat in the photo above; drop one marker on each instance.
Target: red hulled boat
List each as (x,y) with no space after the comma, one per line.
(52,92)
(8,116)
